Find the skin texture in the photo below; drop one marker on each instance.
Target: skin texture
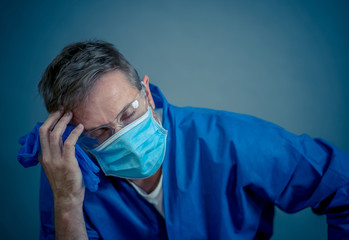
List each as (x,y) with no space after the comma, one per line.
(107,98)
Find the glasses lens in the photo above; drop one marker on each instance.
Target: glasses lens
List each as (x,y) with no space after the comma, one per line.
(96,137)
(134,111)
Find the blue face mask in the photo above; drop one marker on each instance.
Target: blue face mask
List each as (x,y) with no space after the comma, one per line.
(136,151)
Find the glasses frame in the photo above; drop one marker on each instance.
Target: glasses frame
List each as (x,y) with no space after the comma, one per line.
(116,119)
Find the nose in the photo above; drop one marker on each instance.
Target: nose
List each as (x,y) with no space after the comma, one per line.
(115,127)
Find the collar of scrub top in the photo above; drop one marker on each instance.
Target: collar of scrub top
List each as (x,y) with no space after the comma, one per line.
(28,156)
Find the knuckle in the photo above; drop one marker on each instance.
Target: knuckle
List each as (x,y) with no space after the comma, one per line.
(45,161)
(69,154)
(58,168)
(54,137)
(62,166)
(69,145)
(42,129)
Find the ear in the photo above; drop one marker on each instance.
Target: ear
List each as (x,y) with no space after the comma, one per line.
(145,82)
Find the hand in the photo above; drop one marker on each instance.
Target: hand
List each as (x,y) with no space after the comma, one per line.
(58,160)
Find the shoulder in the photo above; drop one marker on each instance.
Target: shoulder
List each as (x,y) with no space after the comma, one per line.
(206,119)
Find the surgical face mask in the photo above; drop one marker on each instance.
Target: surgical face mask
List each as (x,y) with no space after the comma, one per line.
(136,151)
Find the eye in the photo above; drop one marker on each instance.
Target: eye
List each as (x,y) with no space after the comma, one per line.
(127,115)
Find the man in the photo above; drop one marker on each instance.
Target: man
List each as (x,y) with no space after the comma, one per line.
(170,172)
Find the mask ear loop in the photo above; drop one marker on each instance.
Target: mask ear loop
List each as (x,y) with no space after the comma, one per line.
(157,116)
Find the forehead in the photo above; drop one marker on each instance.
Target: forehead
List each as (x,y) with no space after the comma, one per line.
(110,94)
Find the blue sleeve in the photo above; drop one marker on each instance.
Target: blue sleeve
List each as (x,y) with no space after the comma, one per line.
(321,181)
(47,231)
(295,172)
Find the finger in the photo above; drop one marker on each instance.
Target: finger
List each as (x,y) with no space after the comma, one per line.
(52,119)
(57,132)
(45,128)
(69,144)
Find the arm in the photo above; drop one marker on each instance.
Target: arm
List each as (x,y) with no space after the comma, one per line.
(318,178)
(294,172)
(64,176)
(336,207)
(69,221)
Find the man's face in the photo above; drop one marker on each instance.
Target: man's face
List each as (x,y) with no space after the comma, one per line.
(108,97)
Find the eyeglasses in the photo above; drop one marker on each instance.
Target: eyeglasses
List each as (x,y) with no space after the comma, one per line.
(131,112)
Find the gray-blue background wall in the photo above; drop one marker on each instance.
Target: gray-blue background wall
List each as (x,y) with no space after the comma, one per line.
(283,61)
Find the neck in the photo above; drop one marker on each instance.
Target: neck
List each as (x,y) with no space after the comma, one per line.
(150,183)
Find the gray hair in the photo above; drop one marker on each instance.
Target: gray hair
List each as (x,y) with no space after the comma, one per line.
(68,79)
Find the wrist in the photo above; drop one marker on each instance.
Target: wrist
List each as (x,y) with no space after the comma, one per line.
(69,220)
(64,211)
(67,203)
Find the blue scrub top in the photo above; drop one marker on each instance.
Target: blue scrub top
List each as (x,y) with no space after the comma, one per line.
(223,173)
